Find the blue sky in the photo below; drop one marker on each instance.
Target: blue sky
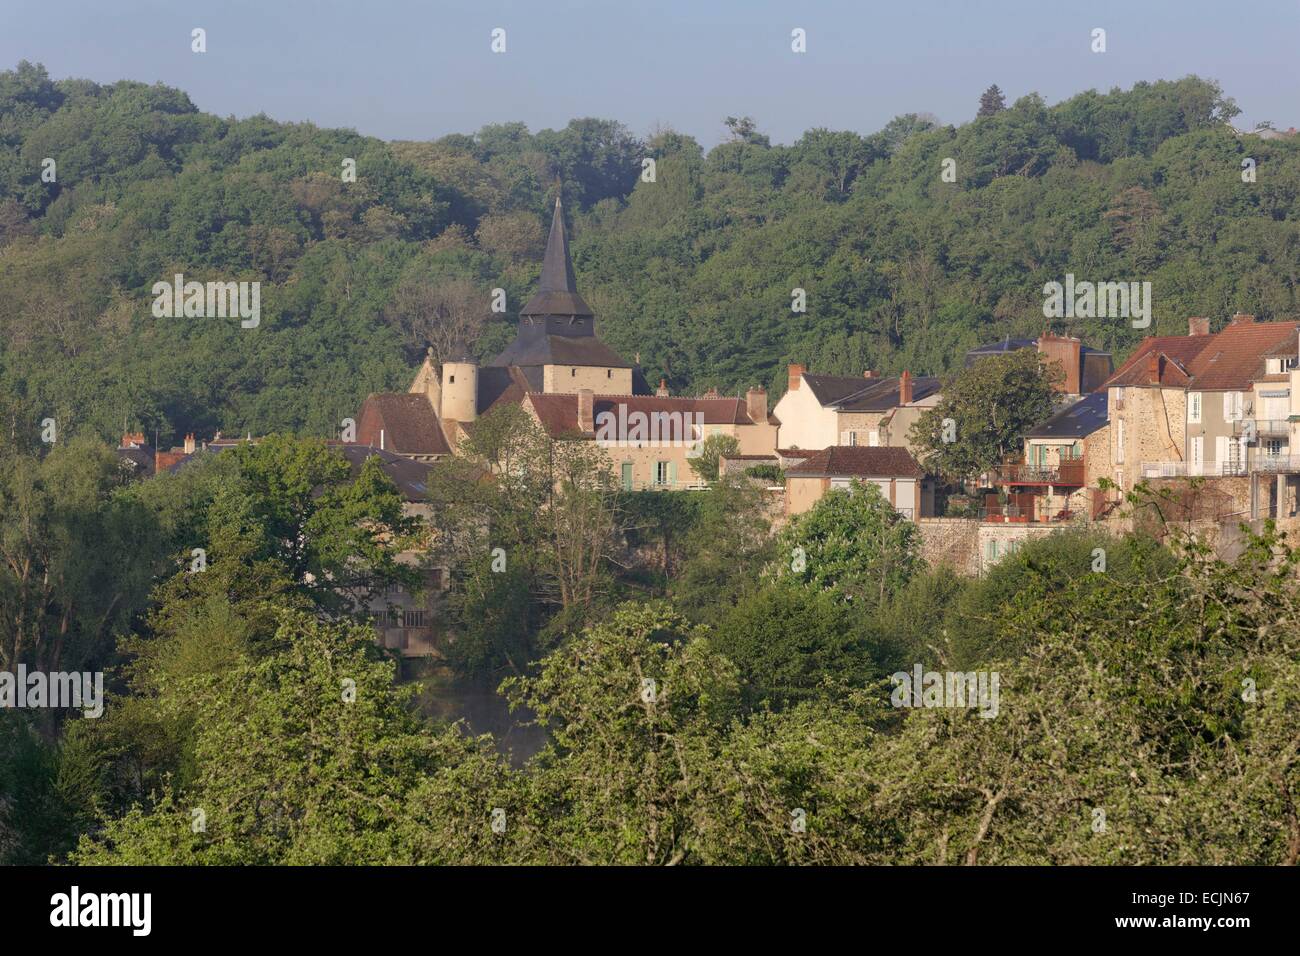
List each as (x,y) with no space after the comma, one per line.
(418,69)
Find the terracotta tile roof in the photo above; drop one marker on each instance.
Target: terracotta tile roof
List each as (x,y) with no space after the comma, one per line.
(1176,353)
(857,461)
(1236,355)
(1229,360)
(558,412)
(410,424)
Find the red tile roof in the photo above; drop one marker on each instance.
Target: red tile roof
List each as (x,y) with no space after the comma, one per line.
(409,423)
(558,412)
(858,461)
(1227,361)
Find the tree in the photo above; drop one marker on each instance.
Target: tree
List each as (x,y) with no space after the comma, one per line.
(851,543)
(984,413)
(992,102)
(705,464)
(447,316)
(789,643)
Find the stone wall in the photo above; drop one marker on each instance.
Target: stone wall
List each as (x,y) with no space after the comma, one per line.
(951,541)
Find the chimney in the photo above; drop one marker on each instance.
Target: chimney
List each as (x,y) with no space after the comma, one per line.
(1066,351)
(1242,319)
(794,372)
(1153,367)
(756,405)
(586,410)
(132,440)
(189,443)
(869,373)
(662,390)
(711,393)
(905,388)
(1198,325)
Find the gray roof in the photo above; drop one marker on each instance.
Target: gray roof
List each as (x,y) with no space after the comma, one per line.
(557,292)
(857,394)
(1078,421)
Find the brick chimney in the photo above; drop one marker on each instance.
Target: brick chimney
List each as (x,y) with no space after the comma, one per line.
(189,443)
(905,388)
(1066,351)
(869,373)
(1240,318)
(711,393)
(1198,325)
(1153,367)
(756,405)
(662,390)
(132,440)
(794,371)
(586,410)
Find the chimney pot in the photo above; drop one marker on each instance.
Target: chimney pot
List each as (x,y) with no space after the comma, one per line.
(1240,318)
(794,371)
(905,388)
(662,390)
(869,373)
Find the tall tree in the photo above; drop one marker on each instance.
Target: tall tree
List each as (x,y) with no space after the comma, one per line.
(992,102)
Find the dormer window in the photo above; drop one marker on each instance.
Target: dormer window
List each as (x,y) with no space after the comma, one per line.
(573,373)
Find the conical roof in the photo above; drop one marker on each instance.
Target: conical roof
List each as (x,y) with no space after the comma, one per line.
(557,293)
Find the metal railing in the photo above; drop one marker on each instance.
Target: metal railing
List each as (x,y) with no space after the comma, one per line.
(1266,427)
(1276,464)
(1069,472)
(1184,469)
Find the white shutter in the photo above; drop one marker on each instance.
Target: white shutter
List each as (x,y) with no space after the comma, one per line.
(873,438)
(845,438)
(1220,454)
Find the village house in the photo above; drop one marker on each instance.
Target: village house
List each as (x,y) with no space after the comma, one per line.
(818,411)
(1210,405)
(901,481)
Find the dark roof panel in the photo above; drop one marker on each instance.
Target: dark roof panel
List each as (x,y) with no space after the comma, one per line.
(858,461)
(1078,421)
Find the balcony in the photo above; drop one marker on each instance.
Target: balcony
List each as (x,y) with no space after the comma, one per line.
(1184,469)
(1264,427)
(1276,464)
(1022,508)
(1069,473)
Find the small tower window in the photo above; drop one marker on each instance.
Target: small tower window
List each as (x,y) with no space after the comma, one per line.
(573,373)
(609,373)
(451,379)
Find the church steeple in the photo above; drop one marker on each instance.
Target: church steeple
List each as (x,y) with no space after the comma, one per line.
(557,292)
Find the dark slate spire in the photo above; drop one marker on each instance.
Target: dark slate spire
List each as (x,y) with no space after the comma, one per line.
(557,293)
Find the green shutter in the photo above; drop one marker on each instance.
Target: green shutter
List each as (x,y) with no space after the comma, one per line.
(672,474)
(627,476)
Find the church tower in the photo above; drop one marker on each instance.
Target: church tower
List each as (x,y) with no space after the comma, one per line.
(556,347)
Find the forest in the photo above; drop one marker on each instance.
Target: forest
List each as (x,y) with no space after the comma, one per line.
(369,252)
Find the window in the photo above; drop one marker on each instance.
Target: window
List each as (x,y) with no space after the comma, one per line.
(1194,408)
(1119,441)
(1231,406)
(573,373)
(873,438)
(609,373)
(662,471)
(1273,447)
(853,439)
(451,379)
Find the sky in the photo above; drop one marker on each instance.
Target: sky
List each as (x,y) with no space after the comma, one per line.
(419,69)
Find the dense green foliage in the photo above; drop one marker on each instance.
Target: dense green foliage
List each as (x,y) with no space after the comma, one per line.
(692,272)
